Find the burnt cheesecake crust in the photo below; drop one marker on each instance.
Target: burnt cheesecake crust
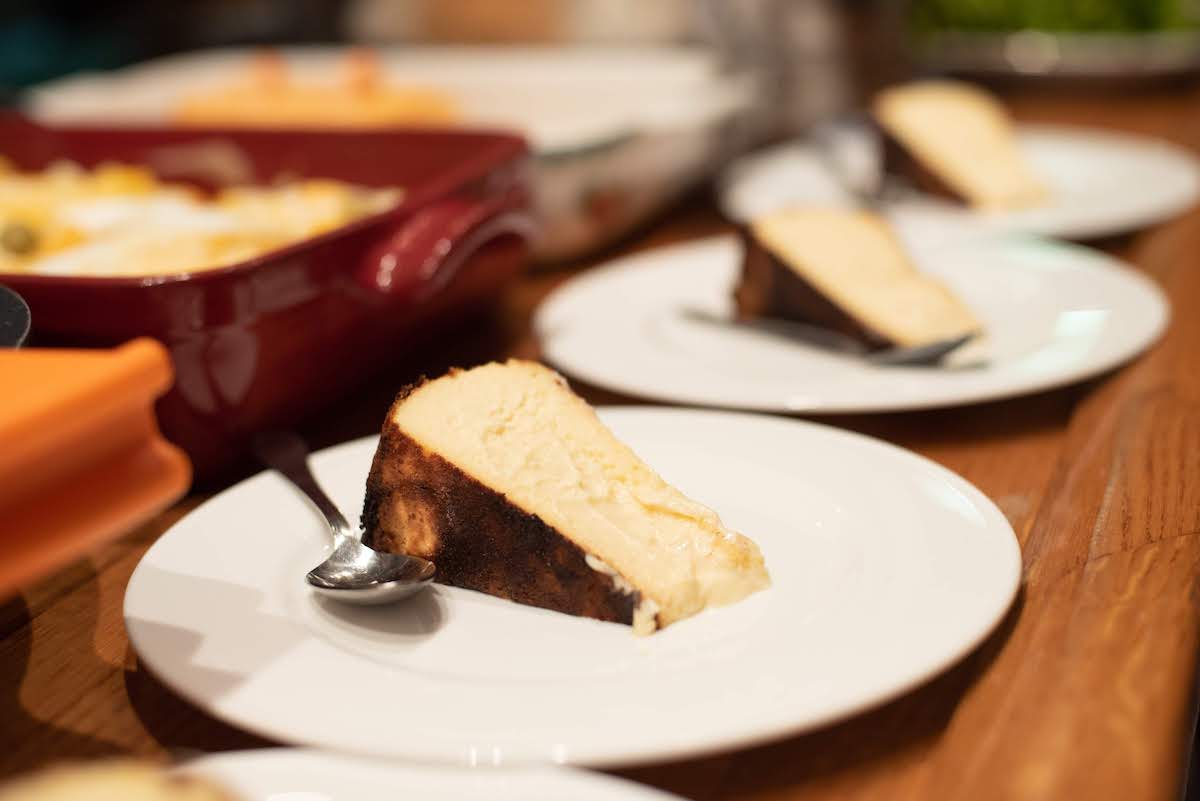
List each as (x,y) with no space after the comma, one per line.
(844,270)
(420,504)
(512,486)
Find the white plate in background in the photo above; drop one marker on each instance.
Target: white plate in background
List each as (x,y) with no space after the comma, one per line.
(1054,314)
(886,569)
(560,98)
(1101,183)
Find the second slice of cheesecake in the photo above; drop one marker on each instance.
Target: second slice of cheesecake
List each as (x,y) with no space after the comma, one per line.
(846,271)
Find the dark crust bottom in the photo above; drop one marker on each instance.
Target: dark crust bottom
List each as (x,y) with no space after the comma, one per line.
(421,504)
(769,288)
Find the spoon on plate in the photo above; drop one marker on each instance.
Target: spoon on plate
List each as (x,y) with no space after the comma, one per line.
(353,573)
(929,354)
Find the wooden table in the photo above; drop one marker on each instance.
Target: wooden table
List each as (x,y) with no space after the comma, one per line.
(1086,690)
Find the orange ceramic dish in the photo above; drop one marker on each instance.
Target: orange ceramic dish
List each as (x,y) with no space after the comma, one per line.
(82,460)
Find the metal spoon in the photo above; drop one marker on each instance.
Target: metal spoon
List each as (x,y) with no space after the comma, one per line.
(353,573)
(928,354)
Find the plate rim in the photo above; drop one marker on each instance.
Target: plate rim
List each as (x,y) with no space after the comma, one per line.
(1186,160)
(598,379)
(611,757)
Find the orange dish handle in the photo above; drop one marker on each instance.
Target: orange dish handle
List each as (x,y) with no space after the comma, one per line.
(82,458)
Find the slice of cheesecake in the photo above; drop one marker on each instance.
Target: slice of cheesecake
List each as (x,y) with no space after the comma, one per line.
(958,141)
(510,483)
(846,271)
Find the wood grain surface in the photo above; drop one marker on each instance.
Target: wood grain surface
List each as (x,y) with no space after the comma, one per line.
(1086,691)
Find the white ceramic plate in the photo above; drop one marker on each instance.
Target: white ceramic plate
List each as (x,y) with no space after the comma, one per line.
(886,569)
(1101,183)
(1054,314)
(285,774)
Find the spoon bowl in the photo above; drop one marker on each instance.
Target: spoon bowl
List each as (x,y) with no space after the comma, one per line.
(352,573)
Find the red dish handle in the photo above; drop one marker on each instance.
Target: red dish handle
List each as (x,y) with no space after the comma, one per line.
(427,250)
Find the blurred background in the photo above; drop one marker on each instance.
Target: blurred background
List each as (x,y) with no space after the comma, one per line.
(812,56)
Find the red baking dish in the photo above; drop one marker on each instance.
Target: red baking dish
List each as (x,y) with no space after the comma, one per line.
(267,341)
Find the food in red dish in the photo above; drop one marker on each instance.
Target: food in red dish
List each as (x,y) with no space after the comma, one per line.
(265,341)
(120,220)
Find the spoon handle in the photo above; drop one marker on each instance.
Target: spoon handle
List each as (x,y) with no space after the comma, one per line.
(287,453)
